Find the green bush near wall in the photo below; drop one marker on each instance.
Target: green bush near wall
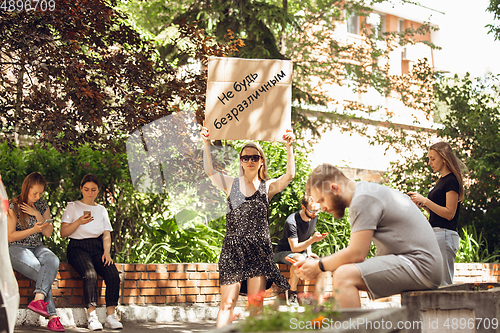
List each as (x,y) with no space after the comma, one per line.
(144,227)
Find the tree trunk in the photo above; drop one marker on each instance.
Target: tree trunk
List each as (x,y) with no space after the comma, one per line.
(19,101)
(283,35)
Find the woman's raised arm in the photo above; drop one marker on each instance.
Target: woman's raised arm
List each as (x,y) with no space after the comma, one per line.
(277,185)
(221,181)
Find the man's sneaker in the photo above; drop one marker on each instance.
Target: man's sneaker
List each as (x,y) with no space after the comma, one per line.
(112,322)
(292,299)
(55,325)
(39,307)
(94,323)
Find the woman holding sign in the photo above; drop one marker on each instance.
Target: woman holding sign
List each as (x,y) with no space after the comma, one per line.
(246,262)
(28,219)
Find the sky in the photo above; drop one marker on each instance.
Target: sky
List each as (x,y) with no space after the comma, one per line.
(467,46)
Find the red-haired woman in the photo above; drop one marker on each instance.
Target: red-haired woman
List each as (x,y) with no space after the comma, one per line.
(246,261)
(27,214)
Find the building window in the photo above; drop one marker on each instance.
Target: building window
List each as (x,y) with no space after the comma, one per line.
(401,25)
(382,28)
(377,22)
(352,22)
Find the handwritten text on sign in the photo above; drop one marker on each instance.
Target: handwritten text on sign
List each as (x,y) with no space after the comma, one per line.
(252,97)
(248,98)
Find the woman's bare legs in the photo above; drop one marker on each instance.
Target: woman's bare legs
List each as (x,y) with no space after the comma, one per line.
(229,296)
(256,285)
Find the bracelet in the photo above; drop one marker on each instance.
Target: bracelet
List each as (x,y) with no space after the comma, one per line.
(321,267)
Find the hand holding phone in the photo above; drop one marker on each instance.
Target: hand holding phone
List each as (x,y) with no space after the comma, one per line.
(324,234)
(293,261)
(47,221)
(86,212)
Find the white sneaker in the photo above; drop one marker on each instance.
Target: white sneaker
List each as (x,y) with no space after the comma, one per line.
(291,298)
(94,323)
(112,322)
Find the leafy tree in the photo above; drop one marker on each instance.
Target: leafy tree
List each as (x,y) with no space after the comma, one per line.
(494,8)
(145,228)
(254,22)
(81,73)
(303,31)
(128,210)
(473,127)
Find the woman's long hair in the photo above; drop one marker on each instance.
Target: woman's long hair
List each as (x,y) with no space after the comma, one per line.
(263,168)
(453,163)
(31,180)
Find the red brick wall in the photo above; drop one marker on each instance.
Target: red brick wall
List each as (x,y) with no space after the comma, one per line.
(163,284)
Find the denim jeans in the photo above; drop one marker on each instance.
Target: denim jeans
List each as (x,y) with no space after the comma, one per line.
(38,264)
(448,241)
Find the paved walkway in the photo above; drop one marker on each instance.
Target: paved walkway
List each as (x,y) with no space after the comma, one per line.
(135,327)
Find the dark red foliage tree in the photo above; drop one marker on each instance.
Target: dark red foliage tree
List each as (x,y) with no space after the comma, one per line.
(80,73)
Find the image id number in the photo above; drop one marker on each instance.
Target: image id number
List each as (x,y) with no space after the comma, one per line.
(471,323)
(27,5)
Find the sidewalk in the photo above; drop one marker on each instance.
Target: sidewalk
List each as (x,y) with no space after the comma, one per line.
(135,319)
(135,327)
(77,317)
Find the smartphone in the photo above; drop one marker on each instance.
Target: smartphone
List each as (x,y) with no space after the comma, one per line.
(324,234)
(86,212)
(47,221)
(293,261)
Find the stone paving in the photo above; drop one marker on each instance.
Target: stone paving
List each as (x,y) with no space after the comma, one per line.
(136,327)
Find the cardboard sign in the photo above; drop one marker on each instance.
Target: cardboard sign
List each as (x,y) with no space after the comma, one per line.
(248,99)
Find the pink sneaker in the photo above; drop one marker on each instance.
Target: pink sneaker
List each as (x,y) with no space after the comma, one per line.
(55,325)
(39,307)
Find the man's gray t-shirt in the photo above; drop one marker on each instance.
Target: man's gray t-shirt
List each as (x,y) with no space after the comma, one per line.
(399,227)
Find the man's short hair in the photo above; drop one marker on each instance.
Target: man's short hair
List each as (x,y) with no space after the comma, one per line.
(324,173)
(307,200)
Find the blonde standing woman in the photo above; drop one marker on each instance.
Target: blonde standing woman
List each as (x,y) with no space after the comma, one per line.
(246,262)
(443,203)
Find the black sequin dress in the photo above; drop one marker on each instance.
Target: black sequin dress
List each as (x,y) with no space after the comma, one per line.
(247,251)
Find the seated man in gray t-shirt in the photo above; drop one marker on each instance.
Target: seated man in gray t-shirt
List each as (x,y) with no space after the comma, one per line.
(408,256)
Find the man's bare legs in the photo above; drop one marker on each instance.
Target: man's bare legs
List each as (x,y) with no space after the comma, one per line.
(347,282)
(320,287)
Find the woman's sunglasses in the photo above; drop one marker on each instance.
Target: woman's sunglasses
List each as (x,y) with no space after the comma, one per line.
(246,158)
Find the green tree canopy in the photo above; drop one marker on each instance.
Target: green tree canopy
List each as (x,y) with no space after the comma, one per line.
(473,127)
(305,32)
(494,8)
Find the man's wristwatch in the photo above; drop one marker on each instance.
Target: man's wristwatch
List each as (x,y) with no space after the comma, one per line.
(320,264)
